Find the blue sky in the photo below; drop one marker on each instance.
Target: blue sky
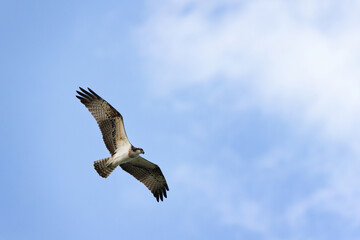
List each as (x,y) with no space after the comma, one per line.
(250,108)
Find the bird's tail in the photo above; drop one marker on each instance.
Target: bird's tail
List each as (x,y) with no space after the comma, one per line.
(104,167)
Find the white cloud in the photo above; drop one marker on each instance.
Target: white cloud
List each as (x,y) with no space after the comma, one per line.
(298,60)
(340,194)
(295,65)
(216,192)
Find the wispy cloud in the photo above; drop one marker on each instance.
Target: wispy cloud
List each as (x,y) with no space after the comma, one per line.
(294,56)
(296,60)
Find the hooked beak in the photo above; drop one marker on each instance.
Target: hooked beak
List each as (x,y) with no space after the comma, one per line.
(142,152)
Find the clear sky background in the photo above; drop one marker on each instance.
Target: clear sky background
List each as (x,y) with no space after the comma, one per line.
(250,108)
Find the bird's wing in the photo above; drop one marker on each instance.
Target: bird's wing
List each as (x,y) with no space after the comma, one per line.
(149,174)
(109,120)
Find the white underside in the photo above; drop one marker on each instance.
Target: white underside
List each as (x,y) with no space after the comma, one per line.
(122,154)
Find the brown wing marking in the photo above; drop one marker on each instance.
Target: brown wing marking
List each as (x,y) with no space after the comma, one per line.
(108,118)
(149,174)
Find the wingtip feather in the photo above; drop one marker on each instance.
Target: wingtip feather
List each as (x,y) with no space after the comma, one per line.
(82,89)
(87,93)
(80,98)
(97,96)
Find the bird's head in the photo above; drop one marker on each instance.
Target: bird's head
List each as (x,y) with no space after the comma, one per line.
(137,151)
(140,151)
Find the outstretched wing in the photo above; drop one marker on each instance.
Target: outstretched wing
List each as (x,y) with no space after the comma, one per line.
(149,174)
(109,120)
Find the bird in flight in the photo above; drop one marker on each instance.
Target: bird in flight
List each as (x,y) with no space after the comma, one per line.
(123,153)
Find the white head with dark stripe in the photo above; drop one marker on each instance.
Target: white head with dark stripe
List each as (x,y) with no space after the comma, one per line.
(135,152)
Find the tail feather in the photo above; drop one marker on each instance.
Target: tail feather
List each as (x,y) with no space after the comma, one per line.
(103,167)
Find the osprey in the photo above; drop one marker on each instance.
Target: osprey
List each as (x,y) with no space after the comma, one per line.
(123,153)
